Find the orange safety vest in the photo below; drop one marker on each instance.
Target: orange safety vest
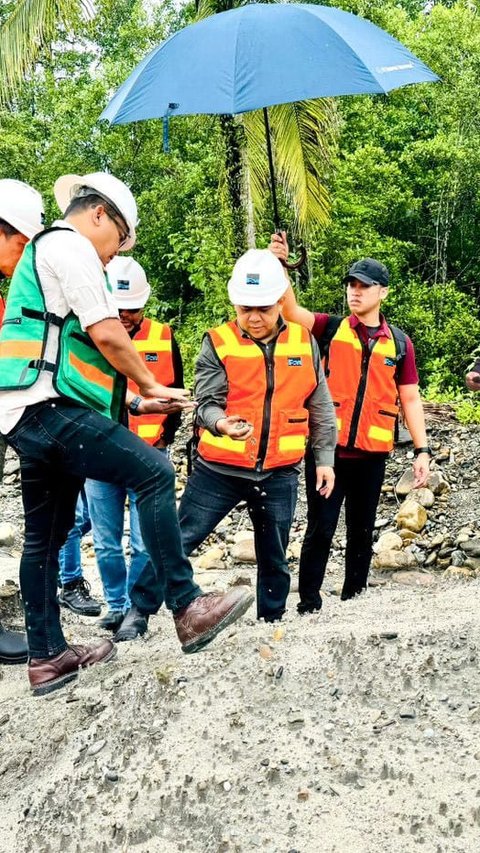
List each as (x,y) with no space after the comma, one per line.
(154,343)
(363,388)
(272,398)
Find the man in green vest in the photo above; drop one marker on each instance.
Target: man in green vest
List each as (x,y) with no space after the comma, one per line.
(21,217)
(64,356)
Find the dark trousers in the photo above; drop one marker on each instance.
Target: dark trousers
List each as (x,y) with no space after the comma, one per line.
(60,444)
(3,447)
(209,497)
(358,482)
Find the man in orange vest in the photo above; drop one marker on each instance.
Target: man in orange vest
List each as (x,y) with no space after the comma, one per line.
(260,390)
(21,217)
(370,367)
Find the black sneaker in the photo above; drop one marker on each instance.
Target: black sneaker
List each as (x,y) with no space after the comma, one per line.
(76,596)
(304,607)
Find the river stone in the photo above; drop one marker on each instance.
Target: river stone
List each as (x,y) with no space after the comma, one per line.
(472,563)
(243,536)
(388,542)
(413,578)
(472,547)
(437,483)
(392,561)
(244,552)
(458,558)
(7,534)
(458,572)
(424,497)
(405,483)
(211,559)
(412,516)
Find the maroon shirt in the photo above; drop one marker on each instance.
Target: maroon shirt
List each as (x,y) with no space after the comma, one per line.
(407,373)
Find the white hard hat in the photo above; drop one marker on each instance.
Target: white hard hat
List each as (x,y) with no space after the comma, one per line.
(22,207)
(116,192)
(129,282)
(257,279)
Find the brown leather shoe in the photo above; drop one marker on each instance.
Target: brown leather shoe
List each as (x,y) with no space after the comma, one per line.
(47,674)
(209,614)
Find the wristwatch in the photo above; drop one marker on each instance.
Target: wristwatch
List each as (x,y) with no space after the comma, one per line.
(135,403)
(419,450)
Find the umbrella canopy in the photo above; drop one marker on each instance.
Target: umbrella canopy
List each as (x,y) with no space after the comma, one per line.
(264,54)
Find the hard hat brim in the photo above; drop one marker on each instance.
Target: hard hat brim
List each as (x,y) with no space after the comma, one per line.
(62,190)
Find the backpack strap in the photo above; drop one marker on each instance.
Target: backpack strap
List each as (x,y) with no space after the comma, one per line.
(330,330)
(400,340)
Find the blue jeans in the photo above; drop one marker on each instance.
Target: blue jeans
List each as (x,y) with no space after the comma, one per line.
(60,444)
(106,502)
(70,558)
(209,497)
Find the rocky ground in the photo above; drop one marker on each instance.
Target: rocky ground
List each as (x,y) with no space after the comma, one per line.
(355,729)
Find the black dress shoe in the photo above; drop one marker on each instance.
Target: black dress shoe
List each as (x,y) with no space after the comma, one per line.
(13,646)
(304,607)
(134,625)
(111,621)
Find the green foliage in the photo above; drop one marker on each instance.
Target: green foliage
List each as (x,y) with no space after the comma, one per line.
(404,183)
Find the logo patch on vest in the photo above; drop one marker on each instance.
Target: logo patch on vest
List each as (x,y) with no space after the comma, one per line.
(151,356)
(123,284)
(390,362)
(295,362)
(252,278)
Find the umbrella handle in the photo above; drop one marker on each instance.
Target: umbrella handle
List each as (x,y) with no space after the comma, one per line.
(295,265)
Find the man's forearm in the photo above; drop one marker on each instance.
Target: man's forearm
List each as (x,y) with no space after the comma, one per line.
(112,340)
(415,418)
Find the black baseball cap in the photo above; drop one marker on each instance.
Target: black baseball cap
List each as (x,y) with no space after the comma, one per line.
(369,272)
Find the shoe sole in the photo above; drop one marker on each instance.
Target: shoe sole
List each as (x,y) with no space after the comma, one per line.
(57,683)
(80,611)
(13,660)
(238,610)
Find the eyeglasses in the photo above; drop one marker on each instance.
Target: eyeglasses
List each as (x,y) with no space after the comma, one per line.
(123,232)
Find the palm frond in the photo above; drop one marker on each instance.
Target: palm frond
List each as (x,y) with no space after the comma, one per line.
(304,138)
(31,25)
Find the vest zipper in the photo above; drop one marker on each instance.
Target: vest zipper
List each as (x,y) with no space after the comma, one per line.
(267,408)
(366,353)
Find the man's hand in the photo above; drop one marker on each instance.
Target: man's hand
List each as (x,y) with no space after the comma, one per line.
(472,381)
(155,389)
(155,405)
(234,426)
(325,480)
(421,470)
(279,246)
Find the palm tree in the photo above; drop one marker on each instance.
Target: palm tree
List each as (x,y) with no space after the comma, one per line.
(303,139)
(26,31)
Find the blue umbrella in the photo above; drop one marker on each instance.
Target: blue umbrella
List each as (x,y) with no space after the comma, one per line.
(264,54)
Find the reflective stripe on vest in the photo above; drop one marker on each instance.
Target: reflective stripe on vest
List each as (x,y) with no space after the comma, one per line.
(274,406)
(153,342)
(364,391)
(80,371)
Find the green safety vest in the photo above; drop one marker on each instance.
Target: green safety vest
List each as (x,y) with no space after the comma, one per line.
(80,371)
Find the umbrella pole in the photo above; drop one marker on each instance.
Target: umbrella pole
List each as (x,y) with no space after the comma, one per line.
(276,218)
